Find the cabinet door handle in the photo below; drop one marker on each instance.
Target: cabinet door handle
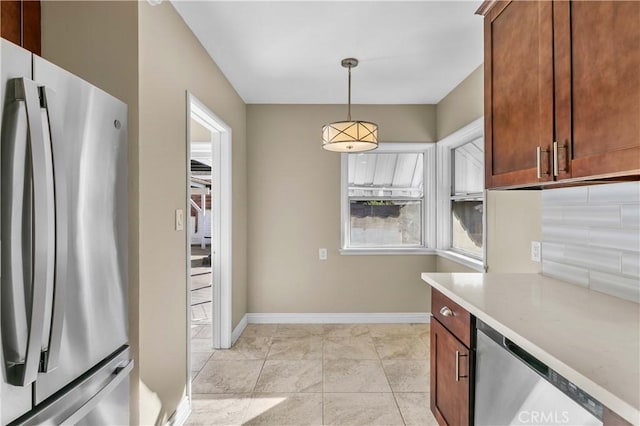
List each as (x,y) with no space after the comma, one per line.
(538,155)
(555,158)
(539,152)
(445,311)
(458,376)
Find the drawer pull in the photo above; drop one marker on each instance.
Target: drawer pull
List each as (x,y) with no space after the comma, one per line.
(458,376)
(445,311)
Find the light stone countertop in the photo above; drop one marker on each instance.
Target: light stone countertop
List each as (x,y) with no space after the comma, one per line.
(590,338)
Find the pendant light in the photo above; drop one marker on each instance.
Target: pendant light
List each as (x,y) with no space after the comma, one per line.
(350,136)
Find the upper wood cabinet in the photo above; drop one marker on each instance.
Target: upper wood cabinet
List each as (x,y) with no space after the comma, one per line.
(562,91)
(20,23)
(518,43)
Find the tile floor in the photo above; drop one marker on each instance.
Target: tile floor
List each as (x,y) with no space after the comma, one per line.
(311,374)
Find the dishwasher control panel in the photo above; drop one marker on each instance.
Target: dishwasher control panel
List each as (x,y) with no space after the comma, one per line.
(575,393)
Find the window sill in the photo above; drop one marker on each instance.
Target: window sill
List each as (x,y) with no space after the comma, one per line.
(467,261)
(386,251)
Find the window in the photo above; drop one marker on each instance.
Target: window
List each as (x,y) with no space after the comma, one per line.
(461,196)
(386,205)
(467,186)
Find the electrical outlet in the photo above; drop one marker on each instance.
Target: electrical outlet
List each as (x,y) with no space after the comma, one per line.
(535,251)
(179,220)
(322,254)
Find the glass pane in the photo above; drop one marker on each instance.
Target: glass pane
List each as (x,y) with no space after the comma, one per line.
(386,174)
(468,168)
(466,220)
(377,223)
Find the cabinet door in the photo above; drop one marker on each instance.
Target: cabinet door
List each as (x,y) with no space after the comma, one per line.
(597,54)
(31,26)
(518,93)
(449,377)
(11,28)
(20,23)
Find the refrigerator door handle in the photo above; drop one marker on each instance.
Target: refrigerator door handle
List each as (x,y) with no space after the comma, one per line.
(16,198)
(23,374)
(54,120)
(120,374)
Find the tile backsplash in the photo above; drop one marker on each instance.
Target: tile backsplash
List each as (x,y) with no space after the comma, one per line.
(591,237)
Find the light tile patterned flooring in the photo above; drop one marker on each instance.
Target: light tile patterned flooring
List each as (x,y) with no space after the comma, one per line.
(312,374)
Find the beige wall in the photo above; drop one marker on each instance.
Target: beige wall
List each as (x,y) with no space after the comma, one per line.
(98,42)
(513,221)
(149,58)
(199,133)
(462,105)
(294,198)
(446,265)
(172,61)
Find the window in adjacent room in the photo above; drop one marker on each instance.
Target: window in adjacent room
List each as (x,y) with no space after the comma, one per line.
(387,203)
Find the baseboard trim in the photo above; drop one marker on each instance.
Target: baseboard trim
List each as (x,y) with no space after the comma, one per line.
(333,318)
(181,414)
(239,329)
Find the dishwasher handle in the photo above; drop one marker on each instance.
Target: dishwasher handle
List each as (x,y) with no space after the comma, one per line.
(525,357)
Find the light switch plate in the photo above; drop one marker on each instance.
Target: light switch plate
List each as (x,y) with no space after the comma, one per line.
(322,253)
(535,251)
(179,220)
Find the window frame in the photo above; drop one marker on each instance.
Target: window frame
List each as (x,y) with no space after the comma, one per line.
(445,147)
(428,201)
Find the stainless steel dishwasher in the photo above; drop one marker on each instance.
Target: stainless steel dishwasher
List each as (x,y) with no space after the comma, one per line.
(514,388)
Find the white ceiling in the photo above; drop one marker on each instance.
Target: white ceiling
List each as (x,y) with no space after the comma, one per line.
(289,52)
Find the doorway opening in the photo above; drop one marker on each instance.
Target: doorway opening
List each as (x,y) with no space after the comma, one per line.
(208,236)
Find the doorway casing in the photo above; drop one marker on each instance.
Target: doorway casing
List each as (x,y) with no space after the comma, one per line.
(221,241)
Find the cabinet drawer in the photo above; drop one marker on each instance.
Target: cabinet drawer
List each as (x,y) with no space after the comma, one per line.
(453,316)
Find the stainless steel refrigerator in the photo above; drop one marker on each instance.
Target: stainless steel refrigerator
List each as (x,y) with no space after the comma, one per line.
(63,298)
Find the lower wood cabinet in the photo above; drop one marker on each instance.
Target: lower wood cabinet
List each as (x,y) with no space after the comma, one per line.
(451,363)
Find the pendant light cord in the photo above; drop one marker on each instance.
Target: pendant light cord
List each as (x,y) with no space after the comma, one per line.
(349,111)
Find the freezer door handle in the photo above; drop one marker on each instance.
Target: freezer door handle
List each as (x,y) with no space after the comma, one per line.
(119,374)
(54,122)
(42,238)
